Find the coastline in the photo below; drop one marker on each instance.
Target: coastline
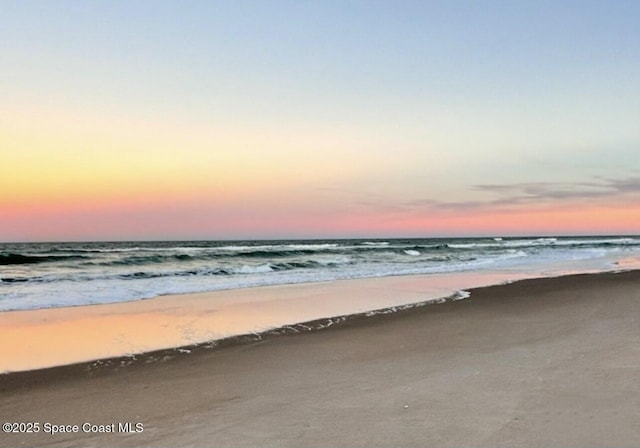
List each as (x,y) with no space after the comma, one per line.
(35,339)
(52,337)
(542,362)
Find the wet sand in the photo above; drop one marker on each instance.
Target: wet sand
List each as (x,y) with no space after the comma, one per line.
(52,337)
(548,362)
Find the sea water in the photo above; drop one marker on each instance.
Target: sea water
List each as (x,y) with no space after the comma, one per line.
(46,275)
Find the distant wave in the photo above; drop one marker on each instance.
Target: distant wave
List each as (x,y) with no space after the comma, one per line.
(547,242)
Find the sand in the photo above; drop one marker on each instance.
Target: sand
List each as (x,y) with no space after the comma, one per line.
(549,362)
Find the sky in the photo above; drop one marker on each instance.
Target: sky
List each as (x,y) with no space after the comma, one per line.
(145,120)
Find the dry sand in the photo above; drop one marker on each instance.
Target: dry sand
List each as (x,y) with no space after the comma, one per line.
(549,362)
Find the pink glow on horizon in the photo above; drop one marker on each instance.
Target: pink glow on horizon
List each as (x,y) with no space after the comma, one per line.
(229,219)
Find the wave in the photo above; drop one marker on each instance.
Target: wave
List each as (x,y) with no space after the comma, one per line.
(258,253)
(226,271)
(141,260)
(8,258)
(600,242)
(141,255)
(173,257)
(511,243)
(238,269)
(278,247)
(14,279)
(547,242)
(187,273)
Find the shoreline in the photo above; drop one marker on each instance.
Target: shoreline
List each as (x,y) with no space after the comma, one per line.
(538,362)
(67,335)
(49,337)
(115,363)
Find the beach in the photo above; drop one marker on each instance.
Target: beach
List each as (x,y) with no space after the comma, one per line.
(319,224)
(539,362)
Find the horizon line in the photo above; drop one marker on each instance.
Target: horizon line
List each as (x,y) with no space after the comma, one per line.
(169,240)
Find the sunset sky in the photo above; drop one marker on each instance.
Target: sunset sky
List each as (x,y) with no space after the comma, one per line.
(298,119)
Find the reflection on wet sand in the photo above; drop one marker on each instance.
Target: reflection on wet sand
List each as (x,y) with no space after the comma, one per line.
(49,337)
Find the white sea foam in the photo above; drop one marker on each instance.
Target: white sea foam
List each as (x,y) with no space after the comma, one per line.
(461,295)
(329,261)
(254,269)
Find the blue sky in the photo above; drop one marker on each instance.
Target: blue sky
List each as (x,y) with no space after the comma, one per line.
(385,104)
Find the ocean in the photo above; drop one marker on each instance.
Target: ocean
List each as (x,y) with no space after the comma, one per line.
(47,275)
